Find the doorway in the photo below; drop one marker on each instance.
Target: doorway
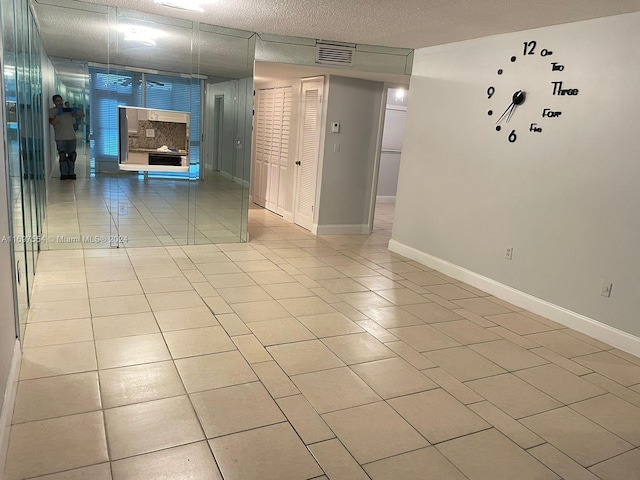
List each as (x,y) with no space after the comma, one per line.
(218,118)
(392,136)
(309,150)
(388,170)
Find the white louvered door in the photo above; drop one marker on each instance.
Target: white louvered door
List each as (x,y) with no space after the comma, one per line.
(260,165)
(307,161)
(269,147)
(284,149)
(273,120)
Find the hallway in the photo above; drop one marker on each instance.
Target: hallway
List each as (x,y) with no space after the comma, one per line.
(296,357)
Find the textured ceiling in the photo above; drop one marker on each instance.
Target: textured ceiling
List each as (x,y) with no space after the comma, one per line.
(80,29)
(393,23)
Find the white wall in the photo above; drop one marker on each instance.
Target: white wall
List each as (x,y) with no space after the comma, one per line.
(566,199)
(347,174)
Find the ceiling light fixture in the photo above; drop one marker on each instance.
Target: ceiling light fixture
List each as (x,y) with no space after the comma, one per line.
(143,35)
(193,5)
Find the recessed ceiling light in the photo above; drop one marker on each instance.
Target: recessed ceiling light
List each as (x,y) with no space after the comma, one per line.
(181,4)
(143,35)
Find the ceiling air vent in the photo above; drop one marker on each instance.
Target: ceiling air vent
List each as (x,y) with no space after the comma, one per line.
(334,54)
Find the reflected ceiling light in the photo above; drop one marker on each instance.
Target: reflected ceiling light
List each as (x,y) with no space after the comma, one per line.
(181,4)
(400,94)
(143,35)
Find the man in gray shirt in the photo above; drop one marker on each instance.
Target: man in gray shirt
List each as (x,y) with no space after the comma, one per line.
(62,120)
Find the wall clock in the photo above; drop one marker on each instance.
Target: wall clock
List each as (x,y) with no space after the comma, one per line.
(517,92)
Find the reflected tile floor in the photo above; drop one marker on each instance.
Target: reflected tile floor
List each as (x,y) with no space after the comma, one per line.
(93,211)
(297,357)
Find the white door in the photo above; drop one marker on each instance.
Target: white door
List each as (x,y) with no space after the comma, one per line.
(268,179)
(283,158)
(261,158)
(274,109)
(273,119)
(307,160)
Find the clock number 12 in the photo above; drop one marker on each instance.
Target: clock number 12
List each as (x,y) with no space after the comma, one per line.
(529,47)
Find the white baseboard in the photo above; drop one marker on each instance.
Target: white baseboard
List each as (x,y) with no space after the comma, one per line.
(385,199)
(605,333)
(241,181)
(342,229)
(287,217)
(8,404)
(234,179)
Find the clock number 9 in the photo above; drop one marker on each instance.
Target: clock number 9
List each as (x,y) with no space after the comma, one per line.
(512,136)
(490,92)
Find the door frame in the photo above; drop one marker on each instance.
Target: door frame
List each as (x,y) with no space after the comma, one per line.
(376,166)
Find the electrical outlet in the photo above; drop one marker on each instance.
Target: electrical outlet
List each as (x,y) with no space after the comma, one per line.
(150,133)
(606,288)
(509,253)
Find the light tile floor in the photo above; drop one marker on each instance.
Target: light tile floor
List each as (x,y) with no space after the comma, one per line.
(92,211)
(298,357)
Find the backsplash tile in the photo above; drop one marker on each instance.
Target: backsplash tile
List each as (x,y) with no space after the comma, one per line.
(171,134)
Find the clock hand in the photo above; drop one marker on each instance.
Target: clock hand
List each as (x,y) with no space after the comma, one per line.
(509,111)
(516,99)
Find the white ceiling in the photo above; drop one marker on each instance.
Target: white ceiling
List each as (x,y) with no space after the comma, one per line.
(79,29)
(393,23)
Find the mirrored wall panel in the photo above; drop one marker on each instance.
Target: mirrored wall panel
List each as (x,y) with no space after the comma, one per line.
(24,148)
(104,59)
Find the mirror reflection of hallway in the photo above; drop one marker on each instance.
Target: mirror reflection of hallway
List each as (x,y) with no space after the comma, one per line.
(150,211)
(185,69)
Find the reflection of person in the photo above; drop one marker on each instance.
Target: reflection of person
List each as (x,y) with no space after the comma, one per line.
(62,120)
